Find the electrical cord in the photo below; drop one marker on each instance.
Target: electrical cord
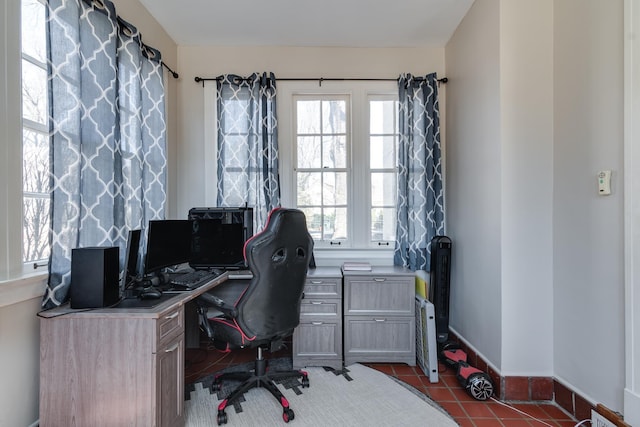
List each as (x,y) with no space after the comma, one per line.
(531,416)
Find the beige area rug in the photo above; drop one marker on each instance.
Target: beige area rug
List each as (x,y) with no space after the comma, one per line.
(356,396)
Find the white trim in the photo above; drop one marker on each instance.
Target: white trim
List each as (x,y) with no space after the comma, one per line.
(358,203)
(632,211)
(10,142)
(210,143)
(22,289)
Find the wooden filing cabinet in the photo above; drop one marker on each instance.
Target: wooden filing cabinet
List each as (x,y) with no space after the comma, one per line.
(379,316)
(113,367)
(317,341)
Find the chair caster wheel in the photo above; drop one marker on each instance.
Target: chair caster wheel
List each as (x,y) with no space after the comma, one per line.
(222,418)
(288,415)
(305,381)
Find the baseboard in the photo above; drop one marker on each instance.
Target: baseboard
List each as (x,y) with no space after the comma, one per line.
(631,407)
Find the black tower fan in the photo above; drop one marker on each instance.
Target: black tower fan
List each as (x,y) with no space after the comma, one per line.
(439,282)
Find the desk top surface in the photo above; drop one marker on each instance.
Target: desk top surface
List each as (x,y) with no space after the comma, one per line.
(151,308)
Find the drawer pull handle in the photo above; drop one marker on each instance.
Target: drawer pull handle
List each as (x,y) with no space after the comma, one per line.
(172,349)
(172,316)
(316,282)
(316,302)
(380,320)
(379,279)
(316,323)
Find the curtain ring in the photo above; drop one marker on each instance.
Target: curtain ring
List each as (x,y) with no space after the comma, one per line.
(151,54)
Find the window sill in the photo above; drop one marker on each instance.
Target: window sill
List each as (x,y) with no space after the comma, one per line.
(334,257)
(22,289)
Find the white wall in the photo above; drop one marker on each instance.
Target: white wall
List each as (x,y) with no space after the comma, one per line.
(474,176)
(588,229)
(534,112)
(283,62)
(632,210)
(526,94)
(19,363)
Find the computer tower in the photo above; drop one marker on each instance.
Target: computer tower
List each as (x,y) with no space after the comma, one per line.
(94,277)
(439,284)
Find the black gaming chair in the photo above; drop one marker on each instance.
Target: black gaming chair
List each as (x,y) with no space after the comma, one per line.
(268,310)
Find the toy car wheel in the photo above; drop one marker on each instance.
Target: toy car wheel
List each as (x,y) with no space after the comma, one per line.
(480,386)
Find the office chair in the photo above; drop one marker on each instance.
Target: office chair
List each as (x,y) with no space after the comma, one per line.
(268,309)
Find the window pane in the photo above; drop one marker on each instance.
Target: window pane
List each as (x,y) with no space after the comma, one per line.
(33,30)
(383,189)
(335,224)
(34,93)
(309,188)
(314,221)
(35,162)
(382,152)
(309,152)
(334,118)
(382,117)
(308,117)
(334,150)
(383,224)
(35,230)
(334,188)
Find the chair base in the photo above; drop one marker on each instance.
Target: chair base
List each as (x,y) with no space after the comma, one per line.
(259,377)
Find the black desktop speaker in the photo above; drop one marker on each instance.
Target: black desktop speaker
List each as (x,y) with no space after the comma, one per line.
(439,282)
(94,277)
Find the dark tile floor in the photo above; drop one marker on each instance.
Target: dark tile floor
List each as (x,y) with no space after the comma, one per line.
(447,392)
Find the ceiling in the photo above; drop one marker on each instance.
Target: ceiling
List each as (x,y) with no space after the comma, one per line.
(348,23)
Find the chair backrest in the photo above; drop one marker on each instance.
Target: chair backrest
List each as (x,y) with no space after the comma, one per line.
(279,259)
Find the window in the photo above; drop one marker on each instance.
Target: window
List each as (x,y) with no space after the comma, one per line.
(342,142)
(35,140)
(321,172)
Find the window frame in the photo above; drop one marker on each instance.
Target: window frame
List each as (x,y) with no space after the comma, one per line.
(360,244)
(36,127)
(18,281)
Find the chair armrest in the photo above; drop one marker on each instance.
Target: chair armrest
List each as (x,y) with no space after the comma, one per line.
(208,300)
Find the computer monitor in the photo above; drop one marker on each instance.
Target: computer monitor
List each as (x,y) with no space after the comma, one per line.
(130,271)
(218,237)
(168,244)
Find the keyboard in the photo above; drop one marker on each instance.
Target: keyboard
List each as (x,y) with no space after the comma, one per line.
(193,279)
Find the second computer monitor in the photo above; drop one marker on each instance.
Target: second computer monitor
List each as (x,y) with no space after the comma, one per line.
(168,244)
(218,237)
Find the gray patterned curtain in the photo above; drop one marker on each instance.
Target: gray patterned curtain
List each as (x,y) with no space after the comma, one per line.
(248,144)
(108,153)
(420,195)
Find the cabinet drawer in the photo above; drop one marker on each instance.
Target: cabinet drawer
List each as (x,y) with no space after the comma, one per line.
(379,339)
(323,288)
(318,339)
(170,323)
(320,308)
(379,295)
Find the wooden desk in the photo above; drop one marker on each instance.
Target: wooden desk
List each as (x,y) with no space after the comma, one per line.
(115,366)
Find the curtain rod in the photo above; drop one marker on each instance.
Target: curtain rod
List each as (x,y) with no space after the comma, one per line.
(318,79)
(173,73)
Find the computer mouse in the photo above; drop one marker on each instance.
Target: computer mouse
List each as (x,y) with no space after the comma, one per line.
(150,293)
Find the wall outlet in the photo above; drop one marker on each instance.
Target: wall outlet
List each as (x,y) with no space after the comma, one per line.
(598,420)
